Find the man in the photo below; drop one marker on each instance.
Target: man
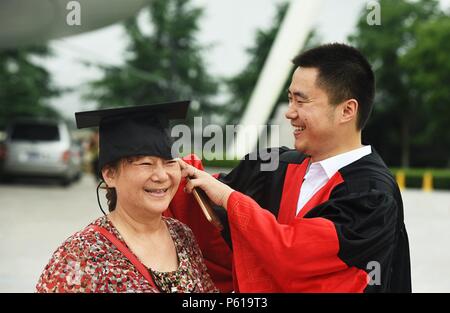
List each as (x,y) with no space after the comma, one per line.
(330,218)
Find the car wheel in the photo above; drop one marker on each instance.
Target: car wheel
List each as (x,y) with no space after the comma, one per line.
(77,177)
(65,182)
(6,179)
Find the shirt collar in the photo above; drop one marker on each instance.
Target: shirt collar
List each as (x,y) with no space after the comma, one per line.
(335,163)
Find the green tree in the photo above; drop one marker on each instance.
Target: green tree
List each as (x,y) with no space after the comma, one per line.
(164,65)
(398,106)
(427,65)
(241,86)
(25,86)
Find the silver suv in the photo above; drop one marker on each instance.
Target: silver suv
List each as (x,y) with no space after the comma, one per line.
(40,148)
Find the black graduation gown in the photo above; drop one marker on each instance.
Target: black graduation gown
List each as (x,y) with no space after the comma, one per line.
(350,237)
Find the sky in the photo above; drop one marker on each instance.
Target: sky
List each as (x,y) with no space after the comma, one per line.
(227,28)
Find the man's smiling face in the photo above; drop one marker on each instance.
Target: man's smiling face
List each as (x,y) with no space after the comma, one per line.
(310,113)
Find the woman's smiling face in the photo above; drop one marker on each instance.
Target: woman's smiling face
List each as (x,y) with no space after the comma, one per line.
(146,183)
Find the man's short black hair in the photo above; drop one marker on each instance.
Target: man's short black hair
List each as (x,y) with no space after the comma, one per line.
(344,73)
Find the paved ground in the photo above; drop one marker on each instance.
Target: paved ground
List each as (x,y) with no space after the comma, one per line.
(35,217)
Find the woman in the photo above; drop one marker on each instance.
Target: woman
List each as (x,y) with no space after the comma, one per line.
(133,248)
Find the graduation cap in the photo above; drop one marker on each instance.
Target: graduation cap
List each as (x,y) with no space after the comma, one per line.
(133,131)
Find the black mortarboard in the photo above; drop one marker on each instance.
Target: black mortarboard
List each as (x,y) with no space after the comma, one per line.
(133,131)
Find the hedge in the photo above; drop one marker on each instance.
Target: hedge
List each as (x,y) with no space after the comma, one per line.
(414,177)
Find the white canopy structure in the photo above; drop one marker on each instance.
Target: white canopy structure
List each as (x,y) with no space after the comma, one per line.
(291,37)
(24,22)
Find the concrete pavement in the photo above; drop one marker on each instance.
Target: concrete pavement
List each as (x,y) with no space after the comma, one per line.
(36,218)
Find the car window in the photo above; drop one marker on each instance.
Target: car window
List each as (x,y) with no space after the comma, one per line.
(35,132)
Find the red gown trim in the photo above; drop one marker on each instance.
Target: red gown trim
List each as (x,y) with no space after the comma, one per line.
(322,195)
(291,190)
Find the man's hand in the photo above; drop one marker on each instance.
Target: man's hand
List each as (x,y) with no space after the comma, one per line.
(216,191)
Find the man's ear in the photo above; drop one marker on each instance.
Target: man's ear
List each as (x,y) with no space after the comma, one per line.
(349,111)
(109,175)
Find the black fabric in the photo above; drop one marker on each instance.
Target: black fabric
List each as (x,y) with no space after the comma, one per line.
(170,110)
(133,137)
(265,187)
(366,228)
(366,210)
(133,131)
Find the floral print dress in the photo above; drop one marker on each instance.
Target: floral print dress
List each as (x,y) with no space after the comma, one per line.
(88,262)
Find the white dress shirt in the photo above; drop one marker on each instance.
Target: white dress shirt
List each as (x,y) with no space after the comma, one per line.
(319,173)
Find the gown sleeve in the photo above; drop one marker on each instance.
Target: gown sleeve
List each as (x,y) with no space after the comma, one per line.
(327,250)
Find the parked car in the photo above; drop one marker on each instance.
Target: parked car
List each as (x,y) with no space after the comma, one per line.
(40,148)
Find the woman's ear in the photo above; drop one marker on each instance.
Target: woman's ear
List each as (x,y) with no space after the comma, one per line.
(109,175)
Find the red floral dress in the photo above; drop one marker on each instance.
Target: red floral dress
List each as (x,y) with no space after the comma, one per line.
(88,262)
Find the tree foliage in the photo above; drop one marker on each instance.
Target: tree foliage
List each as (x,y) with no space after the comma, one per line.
(25,86)
(164,65)
(428,71)
(408,55)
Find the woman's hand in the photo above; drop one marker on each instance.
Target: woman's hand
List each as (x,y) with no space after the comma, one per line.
(216,191)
